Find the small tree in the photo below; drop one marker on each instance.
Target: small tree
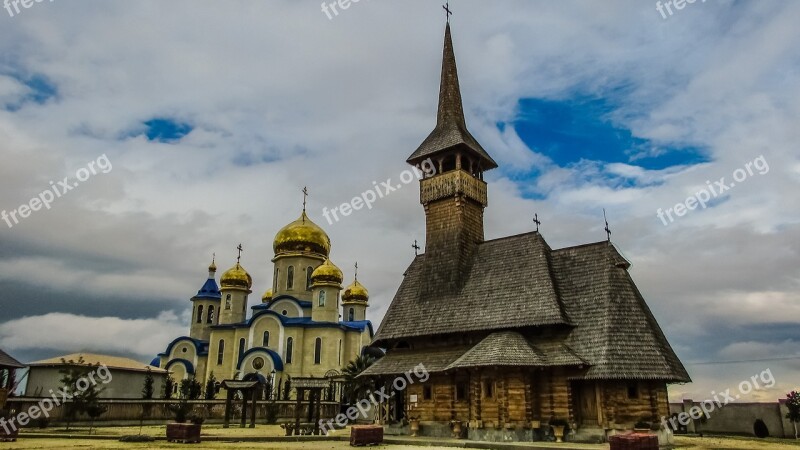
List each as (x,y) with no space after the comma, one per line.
(190,390)
(210,392)
(169,386)
(73,372)
(793,403)
(356,388)
(148,391)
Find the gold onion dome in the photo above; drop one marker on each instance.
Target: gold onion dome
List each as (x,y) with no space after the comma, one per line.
(302,235)
(267,296)
(356,292)
(236,277)
(327,272)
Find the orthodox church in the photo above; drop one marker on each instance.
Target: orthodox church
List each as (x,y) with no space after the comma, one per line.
(303,327)
(515,334)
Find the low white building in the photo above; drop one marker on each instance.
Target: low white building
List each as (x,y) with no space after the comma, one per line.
(125,377)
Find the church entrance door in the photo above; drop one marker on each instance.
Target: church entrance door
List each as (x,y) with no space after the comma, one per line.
(587,402)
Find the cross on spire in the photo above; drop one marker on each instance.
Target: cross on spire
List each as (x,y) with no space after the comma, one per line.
(356,271)
(240,248)
(446,7)
(537,221)
(305,197)
(416,248)
(608,230)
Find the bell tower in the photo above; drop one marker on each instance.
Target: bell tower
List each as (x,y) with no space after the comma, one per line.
(454,197)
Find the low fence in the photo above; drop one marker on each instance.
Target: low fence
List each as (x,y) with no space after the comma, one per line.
(130,412)
(738,418)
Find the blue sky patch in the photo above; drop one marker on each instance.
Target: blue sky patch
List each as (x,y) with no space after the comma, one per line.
(166,130)
(41,90)
(568,131)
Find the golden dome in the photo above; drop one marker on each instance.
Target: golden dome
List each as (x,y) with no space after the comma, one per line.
(327,272)
(267,296)
(302,235)
(356,292)
(236,277)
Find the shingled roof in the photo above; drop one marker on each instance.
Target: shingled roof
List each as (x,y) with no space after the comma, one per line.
(451,126)
(8,362)
(518,282)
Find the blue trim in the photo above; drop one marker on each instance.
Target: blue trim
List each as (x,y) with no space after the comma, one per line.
(300,322)
(303,304)
(210,290)
(200,346)
(188,365)
(277,362)
(156,362)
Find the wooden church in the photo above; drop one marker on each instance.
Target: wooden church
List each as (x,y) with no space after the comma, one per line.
(513,333)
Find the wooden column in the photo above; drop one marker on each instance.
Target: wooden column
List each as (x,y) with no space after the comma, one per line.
(244,410)
(317,412)
(298,406)
(253,408)
(228,402)
(529,380)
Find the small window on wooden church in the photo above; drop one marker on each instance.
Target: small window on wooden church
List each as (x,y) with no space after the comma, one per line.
(461,392)
(427,392)
(290,277)
(488,389)
(633,391)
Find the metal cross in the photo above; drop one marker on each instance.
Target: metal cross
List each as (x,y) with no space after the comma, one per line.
(240,253)
(608,230)
(446,7)
(356,270)
(305,196)
(537,221)
(416,248)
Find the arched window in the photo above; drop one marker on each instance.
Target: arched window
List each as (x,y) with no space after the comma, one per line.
(351,315)
(290,277)
(228,301)
(221,352)
(275,280)
(322,298)
(200,314)
(210,314)
(309,271)
(265,342)
(241,348)
(318,351)
(289,350)
(340,352)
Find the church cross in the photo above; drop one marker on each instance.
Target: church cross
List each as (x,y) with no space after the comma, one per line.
(416,248)
(446,7)
(608,230)
(356,270)
(537,221)
(240,253)
(305,196)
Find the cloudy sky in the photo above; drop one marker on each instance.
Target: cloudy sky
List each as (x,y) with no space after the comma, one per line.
(212,116)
